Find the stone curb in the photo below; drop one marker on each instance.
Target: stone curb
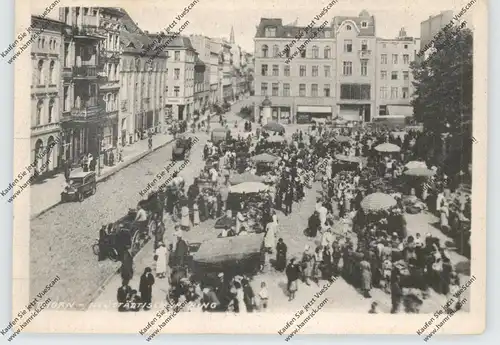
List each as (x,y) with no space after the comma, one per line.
(110,173)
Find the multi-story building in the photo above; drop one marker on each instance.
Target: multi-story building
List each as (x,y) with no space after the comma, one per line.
(179,88)
(109,24)
(46,53)
(208,53)
(215,72)
(394,78)
(356,44)
(201,86)
(143,71)
(432,26)
(299,83)
(84,113)
(225,70)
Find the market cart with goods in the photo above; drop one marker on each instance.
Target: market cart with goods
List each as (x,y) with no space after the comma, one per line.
(264,162)
(220,134)
(250,194)
(235,255)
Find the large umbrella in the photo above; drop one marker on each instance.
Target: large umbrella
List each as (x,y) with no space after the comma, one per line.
(220,130)
(264,158)
(248,187)
(276,139)
(342,139)
(377,202)
(350,159)
(387,147)
(420,172)
(245,177)
(274,126)
(415,164)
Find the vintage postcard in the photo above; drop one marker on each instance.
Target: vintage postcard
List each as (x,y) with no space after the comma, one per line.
(265,167)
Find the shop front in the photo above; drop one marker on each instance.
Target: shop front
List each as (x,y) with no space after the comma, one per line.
(280,114)
(310,113)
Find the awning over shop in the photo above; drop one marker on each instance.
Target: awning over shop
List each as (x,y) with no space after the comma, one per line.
(349,114)
(314,109)
(400,110)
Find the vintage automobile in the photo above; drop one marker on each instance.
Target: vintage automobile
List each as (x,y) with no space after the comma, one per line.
(182,148)
(80,185)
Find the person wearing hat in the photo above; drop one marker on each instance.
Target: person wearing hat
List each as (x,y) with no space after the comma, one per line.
(161,260)
(307,265)
(181,250)
(146,287)
(292,273)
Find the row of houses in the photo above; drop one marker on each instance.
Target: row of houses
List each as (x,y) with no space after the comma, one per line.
(100,82)
(340,70)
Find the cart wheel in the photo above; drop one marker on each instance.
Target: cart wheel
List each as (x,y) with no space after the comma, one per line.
(152,228)
(137,242)
(80,197)
(113,254)
(95,248)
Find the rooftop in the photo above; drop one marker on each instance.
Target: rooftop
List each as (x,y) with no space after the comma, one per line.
(284,31)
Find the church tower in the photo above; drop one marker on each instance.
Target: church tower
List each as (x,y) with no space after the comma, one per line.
(231,36)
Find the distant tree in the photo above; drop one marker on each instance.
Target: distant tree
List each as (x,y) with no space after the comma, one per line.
(443,82)
(443,97)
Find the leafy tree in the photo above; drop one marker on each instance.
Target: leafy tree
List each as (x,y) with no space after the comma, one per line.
(443,91)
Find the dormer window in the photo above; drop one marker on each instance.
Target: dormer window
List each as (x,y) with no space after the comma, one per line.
(270,31)
(364,24)
(348,27)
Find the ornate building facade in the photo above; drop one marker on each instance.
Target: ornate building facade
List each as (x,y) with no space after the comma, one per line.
(143,73)
(46,53)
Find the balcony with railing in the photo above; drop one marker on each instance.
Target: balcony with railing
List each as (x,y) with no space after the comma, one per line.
(365,54)
(67,72)
(88,109)
(89,71)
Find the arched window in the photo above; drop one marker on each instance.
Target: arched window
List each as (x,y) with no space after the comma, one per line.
(303,53)
(52,72)
(276,50)
(265,51)
(51,111)
(43,43)
(39,43)
(348,27)
(327,52)
(108,103)
(39,109)
(315,51)
(40,78)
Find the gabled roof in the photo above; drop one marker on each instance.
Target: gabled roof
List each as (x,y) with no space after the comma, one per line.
(363,17)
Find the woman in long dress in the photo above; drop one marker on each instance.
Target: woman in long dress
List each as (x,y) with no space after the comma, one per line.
(366,277)
(307,264)
(444,213)
(185,223)
(196,214)
(161,260)
(281,250)
(240,298)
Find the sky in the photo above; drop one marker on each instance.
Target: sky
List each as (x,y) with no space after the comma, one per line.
(214,18)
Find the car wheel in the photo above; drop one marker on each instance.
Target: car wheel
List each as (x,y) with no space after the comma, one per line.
(80,197)
(113,254)
(94,189)
(95,249)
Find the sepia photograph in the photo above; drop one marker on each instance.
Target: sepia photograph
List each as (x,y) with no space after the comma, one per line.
(273,161)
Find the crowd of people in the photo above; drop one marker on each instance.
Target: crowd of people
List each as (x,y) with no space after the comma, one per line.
(368,248)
